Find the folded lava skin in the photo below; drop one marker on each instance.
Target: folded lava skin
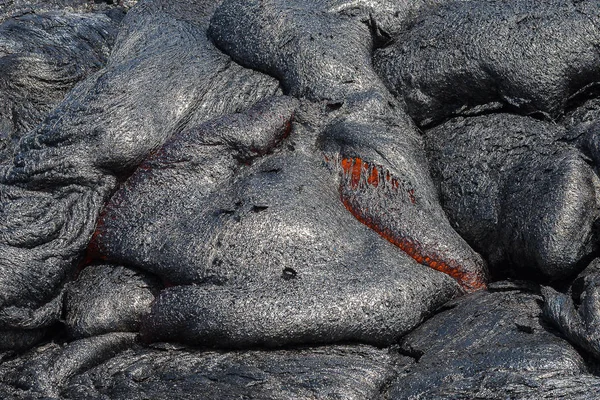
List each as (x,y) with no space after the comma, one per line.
(281,174)
(65,170)
(254,245)
(67,167)
(467,57)
(42,56)
(531,198)
(322,55)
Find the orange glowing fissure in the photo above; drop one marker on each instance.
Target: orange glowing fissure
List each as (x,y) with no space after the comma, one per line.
(355,171)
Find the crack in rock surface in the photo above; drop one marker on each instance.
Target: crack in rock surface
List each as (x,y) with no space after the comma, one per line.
(299,199)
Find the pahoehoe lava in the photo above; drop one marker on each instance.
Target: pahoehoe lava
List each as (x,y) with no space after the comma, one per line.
(299,199)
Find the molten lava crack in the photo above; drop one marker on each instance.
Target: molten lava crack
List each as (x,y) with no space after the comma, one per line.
(359,177)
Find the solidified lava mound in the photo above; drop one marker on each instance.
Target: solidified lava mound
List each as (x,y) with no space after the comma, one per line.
(284,199)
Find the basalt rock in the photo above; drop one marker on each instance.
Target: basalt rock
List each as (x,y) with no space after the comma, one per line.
(163,73)
(386,18)
(526,56)
(42,56)
(254,240)
(490,346)
(527,198)
(42,372)
(583,125)
(577,313)
(331,372)
(108,298)
(322,55)
(238,175)
(15,8)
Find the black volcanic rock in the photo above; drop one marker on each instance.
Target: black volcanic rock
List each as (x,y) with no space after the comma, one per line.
(257,242)
(527,197)
(15,8)
(42,56)
(490,346)
(162,74)
(583,124)
(530,56)
(330,372)
(42,372)
(108,298)
(246,177)
(323,55)
(576,314)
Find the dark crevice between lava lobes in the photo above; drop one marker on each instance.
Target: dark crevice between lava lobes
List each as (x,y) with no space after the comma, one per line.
(482,111)
(575,312)
(577,100)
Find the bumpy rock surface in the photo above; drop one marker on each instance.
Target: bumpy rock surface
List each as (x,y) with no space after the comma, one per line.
(42,56)
(336,372)
(66,168)
(249,178)
(41,373)
(577,313)
(491,346)
(530,199)
(468,57)
(108,298)
(322,55)
(260,242)
(15,8)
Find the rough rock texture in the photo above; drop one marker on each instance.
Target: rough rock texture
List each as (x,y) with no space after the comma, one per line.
(583,125)
(529,199)
(42,56)
(386,18)
(162,74)
(108,298)
(321,55)
(492,346)
(577,313)
(13,8)
(282,198)
(332,372)
(260,241)
(42,372)
(468,57)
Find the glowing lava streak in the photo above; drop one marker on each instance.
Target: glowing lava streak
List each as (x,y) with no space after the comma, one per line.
(359,176)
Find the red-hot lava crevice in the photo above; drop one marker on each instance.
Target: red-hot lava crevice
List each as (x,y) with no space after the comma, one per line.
(358,177)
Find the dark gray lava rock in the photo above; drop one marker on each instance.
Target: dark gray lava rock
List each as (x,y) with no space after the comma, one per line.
(468,57)
(108,298)
(577,313)
(583,124)
(15,8)
(324,55)
(518,192)
(42,56)
(332,372)
(42,372)
(163,73)
(274,221)
(386,18)
(273,255)
(492,346)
